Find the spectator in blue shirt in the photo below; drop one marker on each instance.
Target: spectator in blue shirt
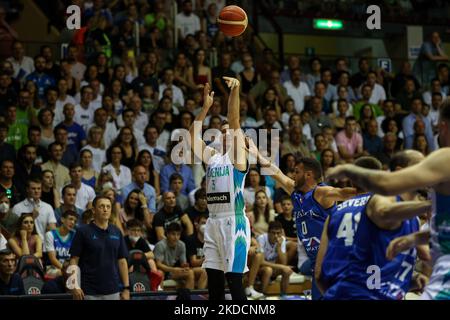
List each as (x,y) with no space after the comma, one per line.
(70,152)
(10,282)
(100,252)
(183,170)
(41,79)
(410,120)
(76,135)
(139,178)
(372,143)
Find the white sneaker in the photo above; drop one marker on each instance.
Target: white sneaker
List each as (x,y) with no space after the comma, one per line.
(252,293)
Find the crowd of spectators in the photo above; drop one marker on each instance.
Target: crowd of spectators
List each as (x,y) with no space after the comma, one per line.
(100,121)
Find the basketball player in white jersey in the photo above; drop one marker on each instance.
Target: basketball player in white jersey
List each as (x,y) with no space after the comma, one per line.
(432,172)
(227,233)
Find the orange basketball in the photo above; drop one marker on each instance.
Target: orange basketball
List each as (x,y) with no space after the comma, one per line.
(232,21)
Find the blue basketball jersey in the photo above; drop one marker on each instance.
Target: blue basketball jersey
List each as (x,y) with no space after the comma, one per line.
(341,230)
(369,275)
(62,248)
(309,218)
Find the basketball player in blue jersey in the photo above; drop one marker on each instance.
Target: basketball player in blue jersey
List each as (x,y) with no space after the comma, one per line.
(434,172)
(227,231)
(313,201)
(355,239)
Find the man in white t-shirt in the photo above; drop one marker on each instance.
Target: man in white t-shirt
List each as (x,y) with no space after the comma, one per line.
(177,94)
(297,90)
(84,112)
(273,245)
(85,194)
(378,93)
(42,212)
(22,64)
(186,21)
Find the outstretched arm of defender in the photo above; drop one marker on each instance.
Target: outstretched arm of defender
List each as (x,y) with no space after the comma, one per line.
(389,215)
(198,146)
(327,196)
(431,171)
(285,182)
(240,153)
(407,242)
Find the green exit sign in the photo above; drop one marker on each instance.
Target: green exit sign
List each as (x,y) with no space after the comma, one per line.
(328,24)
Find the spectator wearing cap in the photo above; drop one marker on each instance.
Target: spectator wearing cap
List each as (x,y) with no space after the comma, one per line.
(69,196)
(7,151)
(10,282)
(54,164)
(100,252)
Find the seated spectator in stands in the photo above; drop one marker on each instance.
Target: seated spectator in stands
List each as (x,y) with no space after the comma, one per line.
(69,198)
(128,142)
(69,152)
(296,144)
(366,93)
(254,183)
(343,88)
(85,193)
(176,184)
(8,219)
(367,114)
(262,213)
(26,112)
(390,125)
(101,119)
(315,65)
(406,96)
(7,151)
(146,77)
(135,207)
(342,113)
(40,77)
(400,78)
(328,160)
(320,90)
(343,94)
(275,261)
(84,111)
(358,78)
(42,211)
(167,83)
(388,113)
(120,173)
(158,120)
(89,175)
(297,90)
(318,118)
(34,138)
(200,206)
(409,121)
(22,64)
(202,72)
(287,221)
(183,74)
(145,159)
(10,282)
(170,256)
(378,94)
(293,62)
(195,242)
(169,213)
(372,143)
(431,52)
(135,241)
(247,76)
(420,144)
(49,193)
(7,185)
(76,133)
(25,168)
(444,78)
(320,144)
(58,241)
(330,90)
(389,149)
(129,121)
(96,146)
(349,141)
(436,103)
(76,67)
(271,81)
(328,133)
(47,123)
(435,87)
(63,96)
(184,170)
(222,70)
(139,178)
(186,21)
(17,132)
(26,240)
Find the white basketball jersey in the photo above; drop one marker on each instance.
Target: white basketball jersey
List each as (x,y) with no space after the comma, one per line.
(224,187)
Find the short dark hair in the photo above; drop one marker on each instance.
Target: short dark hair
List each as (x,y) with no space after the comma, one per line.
(350,118)
(173,227)
(33,180)
(312,165)
(5,252)
(175,176)
(74,165)
(98,198)
(51,145)
(368,163)
(200,194)
(69,213)
(275,225)
(134,223)
(285,197)
(69,186)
